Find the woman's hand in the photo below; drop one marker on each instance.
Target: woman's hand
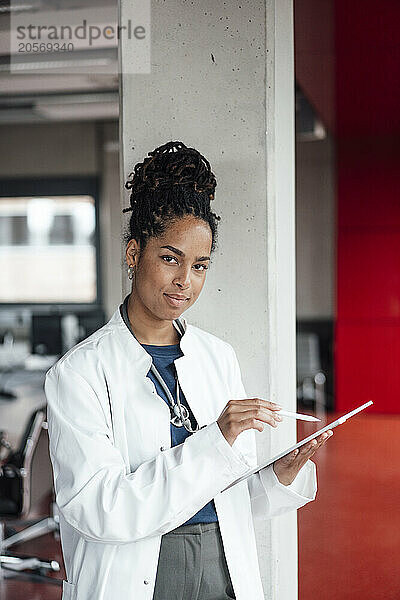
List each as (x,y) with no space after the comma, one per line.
(249,413)
(287,467)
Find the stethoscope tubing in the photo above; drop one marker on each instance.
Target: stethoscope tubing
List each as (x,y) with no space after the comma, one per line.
(179,413)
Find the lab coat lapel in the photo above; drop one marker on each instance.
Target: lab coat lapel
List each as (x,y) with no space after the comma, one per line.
(135,374)
(186,367)
(193,389)
(137,368)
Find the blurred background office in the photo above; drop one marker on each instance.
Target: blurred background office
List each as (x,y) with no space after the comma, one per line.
(61,278)
(60,264)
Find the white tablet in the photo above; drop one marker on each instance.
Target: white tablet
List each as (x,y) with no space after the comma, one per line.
(302,442)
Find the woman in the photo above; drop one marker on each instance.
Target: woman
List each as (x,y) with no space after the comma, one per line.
(149,420)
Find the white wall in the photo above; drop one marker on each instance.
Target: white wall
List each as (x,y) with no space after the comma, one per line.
(224,108)
(315,229)
(48,149)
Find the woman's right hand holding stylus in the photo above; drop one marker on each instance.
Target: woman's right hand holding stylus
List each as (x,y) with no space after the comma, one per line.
(249,413)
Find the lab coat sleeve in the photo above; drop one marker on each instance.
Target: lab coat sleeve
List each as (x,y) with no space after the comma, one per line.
(269,497)
(95,493)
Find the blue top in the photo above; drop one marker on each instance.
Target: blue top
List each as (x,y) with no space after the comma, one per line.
(163,359)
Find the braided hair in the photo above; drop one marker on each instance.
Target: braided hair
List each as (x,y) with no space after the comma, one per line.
(172,182)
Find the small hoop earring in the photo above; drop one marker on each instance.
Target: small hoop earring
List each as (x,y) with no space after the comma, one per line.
(131,271)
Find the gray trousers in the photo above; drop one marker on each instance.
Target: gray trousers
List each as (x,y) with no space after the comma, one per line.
(192,565)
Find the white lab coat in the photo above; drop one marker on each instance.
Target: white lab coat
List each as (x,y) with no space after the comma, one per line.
(114,508)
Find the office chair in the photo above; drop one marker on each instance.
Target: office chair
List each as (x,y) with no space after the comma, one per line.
(310,377)
(25,479)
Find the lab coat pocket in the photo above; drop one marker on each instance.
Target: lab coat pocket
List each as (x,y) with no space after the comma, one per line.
(68,590)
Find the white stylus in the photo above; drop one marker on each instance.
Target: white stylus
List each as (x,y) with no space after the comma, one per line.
(300,417)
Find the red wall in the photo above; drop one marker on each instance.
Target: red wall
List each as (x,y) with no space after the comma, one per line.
(367,87)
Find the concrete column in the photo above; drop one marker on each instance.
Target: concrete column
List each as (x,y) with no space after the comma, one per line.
(281,278)
(222,81)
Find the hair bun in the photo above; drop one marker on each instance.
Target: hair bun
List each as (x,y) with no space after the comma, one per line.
(173,180)
(169,165)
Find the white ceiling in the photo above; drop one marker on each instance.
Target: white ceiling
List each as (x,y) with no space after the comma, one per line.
(86,77)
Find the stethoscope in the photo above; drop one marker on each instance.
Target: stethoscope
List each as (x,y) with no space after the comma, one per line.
(179,412)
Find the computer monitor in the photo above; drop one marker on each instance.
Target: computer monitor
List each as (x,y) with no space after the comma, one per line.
(46,335)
